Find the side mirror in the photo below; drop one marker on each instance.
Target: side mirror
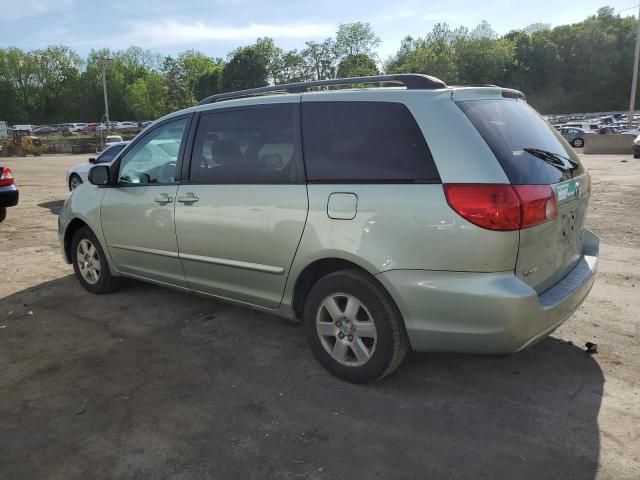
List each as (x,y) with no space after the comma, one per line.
(92,160)
(99,175)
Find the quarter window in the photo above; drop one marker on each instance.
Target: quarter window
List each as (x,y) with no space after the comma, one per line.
(153,159)
(364,141)
(254,145)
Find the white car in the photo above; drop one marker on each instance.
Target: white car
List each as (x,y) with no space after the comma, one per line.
(78,174)
(77,127)
(587,127)
(112,140)
(126,126)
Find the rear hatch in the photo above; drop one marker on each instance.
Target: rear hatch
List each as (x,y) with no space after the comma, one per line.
(532,152)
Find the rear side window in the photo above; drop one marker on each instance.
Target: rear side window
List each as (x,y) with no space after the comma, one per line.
(364,142)
(510,128)
(253,145)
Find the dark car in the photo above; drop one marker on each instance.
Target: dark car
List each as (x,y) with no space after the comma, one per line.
(45,130)
(8,191)
(575,136)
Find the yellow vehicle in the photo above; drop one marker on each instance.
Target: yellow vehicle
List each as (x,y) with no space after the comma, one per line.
(20,143)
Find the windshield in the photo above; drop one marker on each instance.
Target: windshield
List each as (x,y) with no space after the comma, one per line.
(528,148)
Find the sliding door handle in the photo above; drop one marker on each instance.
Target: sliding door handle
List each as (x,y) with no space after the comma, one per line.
(189,198)
(163,199)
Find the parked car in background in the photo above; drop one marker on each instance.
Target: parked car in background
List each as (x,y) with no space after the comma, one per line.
(586,127)
(77,174)
(44,130)
(8,191)
(77,127)
(575,136)
(127,126)
(607,130)
(636,147)
(91,127)
(445,218)
(112,140)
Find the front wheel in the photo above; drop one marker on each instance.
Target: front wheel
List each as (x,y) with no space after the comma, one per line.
(578,143)
(353,328)
(90,264)
(74,182)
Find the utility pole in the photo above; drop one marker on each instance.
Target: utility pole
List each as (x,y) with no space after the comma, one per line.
(104,91)
(634,82)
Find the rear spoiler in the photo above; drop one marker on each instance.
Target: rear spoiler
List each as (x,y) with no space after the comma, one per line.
(485,92)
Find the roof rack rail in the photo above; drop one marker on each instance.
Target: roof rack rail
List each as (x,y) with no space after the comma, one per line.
(413,81)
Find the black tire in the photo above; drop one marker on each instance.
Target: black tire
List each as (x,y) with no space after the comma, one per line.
(577,143)
(73,177)
(3,213)
(391,345)
(636,155)
(37,154)
(106,282)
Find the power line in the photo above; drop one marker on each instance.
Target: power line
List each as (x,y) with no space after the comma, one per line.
(628,8)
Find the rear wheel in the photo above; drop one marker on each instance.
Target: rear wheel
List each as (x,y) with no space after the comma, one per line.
(353,328)
(37,154)
(3,213)
(19,152)
(90,264)
(577,143)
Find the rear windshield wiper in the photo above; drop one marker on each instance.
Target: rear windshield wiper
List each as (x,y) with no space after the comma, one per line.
(561,162)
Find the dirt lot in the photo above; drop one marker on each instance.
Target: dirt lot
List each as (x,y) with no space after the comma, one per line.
(152,383)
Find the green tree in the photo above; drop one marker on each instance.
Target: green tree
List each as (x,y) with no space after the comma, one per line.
(211,83)
(247,67)
(355,39)
(358,65)
(320,59)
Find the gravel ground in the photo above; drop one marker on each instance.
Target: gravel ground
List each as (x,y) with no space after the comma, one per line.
(154,383)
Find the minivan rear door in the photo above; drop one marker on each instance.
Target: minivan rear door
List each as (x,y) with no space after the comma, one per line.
(532,152)
(242,206)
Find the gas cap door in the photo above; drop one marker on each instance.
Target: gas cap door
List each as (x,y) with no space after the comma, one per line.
(342,206)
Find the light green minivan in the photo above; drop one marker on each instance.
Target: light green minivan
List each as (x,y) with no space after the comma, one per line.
(415,216)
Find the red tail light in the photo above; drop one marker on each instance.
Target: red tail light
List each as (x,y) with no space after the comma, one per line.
(6,177)
(502,207)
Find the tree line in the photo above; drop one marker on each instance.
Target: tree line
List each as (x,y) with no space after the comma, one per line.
(570,68)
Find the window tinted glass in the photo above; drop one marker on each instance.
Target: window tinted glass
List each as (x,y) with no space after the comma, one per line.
(510,126)
(109,154)
(153,159)
(364,141)
(246,146)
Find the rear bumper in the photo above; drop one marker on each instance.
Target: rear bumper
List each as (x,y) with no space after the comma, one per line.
(486,312)
(8,196)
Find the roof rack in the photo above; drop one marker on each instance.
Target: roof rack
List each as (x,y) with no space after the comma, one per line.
(413,81)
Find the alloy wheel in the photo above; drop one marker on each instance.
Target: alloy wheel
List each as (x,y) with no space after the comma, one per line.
(346,329)
(88,261)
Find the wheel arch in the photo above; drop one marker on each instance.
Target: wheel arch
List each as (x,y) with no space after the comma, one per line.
(74,174)
(319,268)
(73,226)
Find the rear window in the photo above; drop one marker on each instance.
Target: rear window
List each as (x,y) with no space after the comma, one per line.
(510,127)
(364,142)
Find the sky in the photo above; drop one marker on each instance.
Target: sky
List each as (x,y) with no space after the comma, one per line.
(216,27)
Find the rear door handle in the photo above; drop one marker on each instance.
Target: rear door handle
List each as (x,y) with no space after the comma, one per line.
(189,198)
(163,199)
